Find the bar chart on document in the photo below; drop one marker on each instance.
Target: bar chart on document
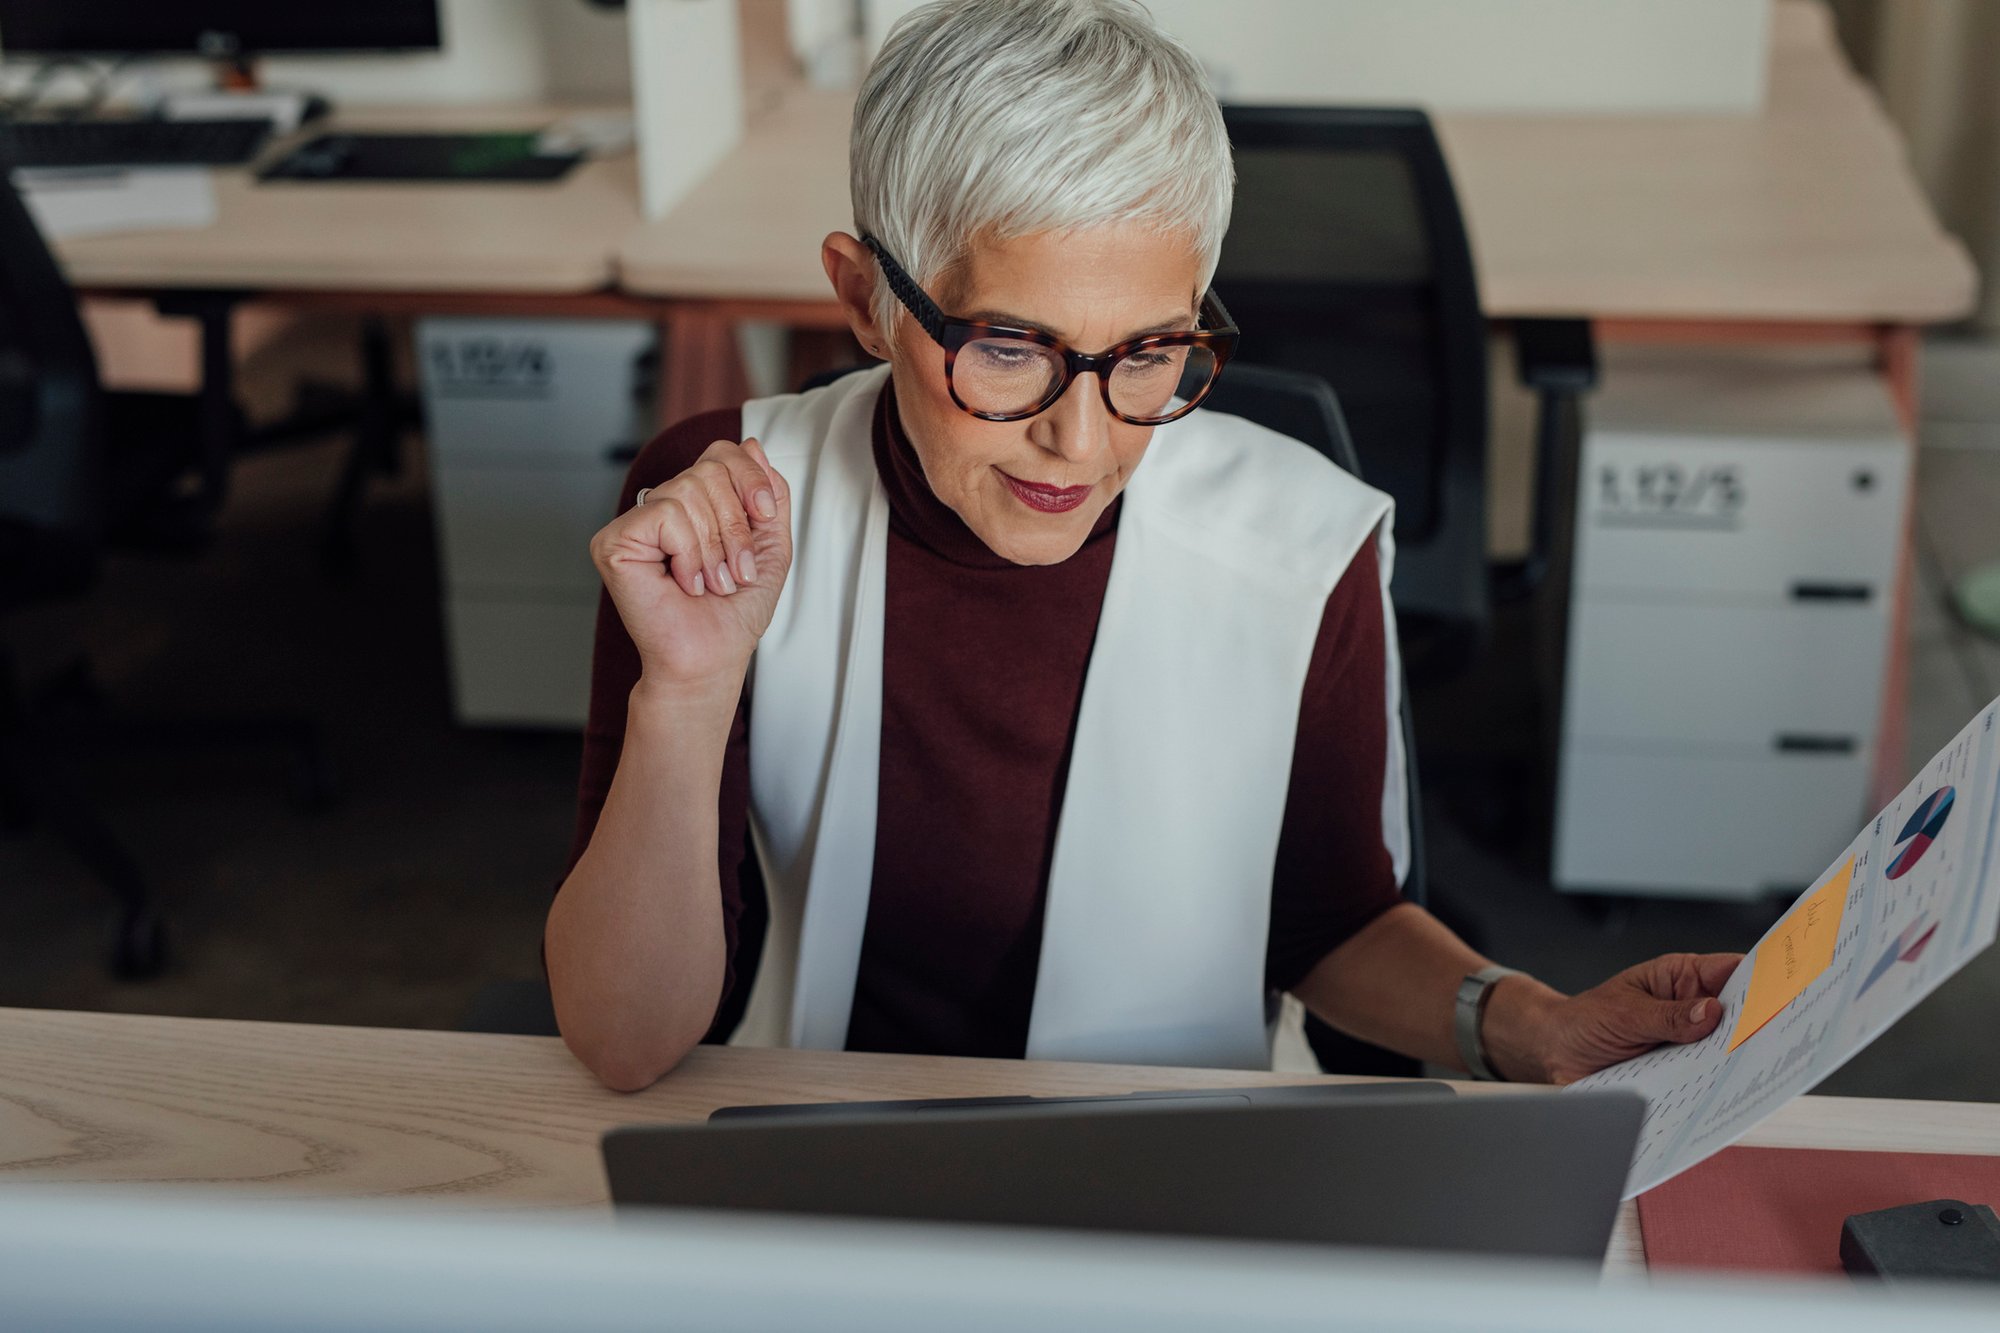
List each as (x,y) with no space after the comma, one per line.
(1909,902)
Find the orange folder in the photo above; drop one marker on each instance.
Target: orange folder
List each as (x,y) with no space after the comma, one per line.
(1779,1210)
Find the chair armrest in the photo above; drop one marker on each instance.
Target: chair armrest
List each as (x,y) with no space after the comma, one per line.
(1555,355)
(1556,358)
(19,405)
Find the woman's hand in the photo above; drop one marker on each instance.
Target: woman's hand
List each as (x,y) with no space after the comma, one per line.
(695,568)
(1553,1038)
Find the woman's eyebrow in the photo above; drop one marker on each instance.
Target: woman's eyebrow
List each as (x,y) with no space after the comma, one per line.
(1172,324)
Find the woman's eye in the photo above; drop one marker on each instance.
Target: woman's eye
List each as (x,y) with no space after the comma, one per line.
(1007,357)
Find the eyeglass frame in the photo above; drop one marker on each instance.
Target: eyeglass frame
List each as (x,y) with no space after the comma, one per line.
(952,334)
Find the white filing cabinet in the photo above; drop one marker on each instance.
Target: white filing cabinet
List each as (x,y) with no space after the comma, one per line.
(1737,527)
(531,426)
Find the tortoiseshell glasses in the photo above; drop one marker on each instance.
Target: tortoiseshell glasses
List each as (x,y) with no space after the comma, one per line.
(998,373)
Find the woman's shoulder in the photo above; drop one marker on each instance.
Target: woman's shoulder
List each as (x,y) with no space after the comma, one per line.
(678,447)
(1247,485)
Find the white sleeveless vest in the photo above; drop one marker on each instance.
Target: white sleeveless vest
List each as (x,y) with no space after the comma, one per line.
(1153,943)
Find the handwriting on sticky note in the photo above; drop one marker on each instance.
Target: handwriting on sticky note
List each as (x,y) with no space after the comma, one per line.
(1797,950)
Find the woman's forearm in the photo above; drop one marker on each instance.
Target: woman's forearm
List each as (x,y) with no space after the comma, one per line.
(634,940)
(1395,983)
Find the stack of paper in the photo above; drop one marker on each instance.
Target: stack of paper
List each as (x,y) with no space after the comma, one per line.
(88,201)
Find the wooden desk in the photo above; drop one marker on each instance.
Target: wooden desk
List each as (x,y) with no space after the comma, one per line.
(355,236)
(512,1123)
(1808,212)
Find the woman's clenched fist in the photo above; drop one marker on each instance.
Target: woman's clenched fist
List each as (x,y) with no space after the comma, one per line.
(696,566)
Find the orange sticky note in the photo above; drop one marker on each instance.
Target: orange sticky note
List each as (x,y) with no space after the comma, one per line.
(1798,949)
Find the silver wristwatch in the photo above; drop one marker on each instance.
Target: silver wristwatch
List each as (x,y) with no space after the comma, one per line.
(1473,992)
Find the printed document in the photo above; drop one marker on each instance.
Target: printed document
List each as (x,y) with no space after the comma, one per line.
(1905,906)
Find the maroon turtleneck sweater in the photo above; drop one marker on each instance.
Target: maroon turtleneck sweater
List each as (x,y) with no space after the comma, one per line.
(983,669)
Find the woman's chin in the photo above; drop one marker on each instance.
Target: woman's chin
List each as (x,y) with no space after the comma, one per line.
(1040,539)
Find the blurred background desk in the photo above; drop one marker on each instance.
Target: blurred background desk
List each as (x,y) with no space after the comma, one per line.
(513,1122)
(1806,215)
(313,239)
(1800,225)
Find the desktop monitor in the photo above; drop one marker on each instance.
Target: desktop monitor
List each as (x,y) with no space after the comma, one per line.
(215,29)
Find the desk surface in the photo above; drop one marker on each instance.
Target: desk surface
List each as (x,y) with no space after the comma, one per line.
(512,1122)
(485,236)
(1808,211)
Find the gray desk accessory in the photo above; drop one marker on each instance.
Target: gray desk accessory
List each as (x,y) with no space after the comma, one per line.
(1943,1238)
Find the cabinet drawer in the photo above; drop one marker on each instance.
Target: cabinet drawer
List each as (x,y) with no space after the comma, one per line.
(520,663)
(522,528)
(1752,519)
(535,390)
(1702,825)
(1741,677)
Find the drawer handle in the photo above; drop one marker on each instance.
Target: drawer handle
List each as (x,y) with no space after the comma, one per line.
(1793,742)
(1832,592)
(622,453)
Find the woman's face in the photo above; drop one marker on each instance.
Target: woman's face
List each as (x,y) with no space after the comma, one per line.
(1093,289)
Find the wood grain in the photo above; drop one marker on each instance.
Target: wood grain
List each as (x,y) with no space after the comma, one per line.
(333,1111)
(512,1123)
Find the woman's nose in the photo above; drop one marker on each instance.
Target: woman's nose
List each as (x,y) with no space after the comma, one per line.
(1078,424)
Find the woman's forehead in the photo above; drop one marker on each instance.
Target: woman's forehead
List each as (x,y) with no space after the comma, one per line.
(1120,279)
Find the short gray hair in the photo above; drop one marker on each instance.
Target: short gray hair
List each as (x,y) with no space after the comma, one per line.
(1004,118)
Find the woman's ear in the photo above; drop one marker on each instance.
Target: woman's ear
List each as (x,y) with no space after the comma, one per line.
(851,270)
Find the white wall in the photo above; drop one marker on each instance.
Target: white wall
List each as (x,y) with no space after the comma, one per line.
(1490,55)
(493,51)
(688,79)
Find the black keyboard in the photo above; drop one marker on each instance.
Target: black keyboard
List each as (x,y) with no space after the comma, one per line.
(130,143)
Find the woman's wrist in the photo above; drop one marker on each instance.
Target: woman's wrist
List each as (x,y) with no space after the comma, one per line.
(1518,1028)
(671,699)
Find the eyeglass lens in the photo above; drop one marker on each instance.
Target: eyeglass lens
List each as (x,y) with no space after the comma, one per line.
(1008,376)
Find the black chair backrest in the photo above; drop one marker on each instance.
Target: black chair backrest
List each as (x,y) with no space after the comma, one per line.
(1306,408)
(1293,403)
(1347,258)
(51,408)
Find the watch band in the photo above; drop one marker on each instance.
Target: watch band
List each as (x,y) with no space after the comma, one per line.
(1473,993)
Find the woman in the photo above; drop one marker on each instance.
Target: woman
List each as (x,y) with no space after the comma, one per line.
(1050,715)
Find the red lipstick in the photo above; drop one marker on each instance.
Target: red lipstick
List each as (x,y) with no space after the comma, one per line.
(1048,499)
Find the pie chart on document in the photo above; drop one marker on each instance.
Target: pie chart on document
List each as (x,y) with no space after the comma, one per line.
(1926,822)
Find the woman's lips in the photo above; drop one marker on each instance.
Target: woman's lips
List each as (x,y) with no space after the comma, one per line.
(1047,499)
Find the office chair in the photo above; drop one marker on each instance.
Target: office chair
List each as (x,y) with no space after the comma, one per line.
(83,471)
(1347,258)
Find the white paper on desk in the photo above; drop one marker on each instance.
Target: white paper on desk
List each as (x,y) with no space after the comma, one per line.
(1914,914)
(89,201)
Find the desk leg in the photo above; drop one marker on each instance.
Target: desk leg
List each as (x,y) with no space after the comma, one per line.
(1898,347)
(700,368)
(213,313)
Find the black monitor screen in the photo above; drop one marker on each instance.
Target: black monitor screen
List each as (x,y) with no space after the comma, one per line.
(214,28)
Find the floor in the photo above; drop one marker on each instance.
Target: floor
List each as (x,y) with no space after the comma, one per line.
(431,878)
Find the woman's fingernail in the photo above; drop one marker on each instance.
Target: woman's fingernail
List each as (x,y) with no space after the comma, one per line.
(1699,1012)
(723,583)
(765,503)
(698,589)
(746,565)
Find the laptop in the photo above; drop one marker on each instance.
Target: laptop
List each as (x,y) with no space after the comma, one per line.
(1533,1174)
(1284,1093)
